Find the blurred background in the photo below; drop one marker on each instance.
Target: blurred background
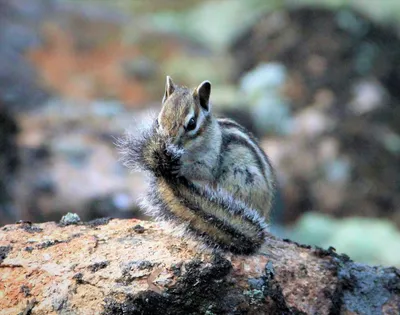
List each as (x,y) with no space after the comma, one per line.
(318,82)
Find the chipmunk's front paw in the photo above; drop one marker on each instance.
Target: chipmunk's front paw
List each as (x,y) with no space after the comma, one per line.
(169,160)
(175,168)
(173,156)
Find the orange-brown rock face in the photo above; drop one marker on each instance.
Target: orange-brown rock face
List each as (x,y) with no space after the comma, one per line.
(136,267)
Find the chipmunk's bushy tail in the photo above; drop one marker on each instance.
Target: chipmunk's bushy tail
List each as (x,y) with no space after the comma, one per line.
(133,146)
(212,215)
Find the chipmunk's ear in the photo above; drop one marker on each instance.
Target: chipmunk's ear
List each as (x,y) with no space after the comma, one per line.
(169,88)
(203,92)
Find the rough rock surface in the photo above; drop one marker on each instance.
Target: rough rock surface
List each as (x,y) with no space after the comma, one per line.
(136,267)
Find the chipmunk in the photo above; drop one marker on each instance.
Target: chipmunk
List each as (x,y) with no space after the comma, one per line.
(208,173)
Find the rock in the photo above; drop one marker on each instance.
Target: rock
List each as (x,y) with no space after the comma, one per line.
(111,269)
(70,218)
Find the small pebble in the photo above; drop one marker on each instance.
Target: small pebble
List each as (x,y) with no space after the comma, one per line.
(138,229)
(70,218)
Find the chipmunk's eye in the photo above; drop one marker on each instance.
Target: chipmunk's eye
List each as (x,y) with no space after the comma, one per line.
(191,124)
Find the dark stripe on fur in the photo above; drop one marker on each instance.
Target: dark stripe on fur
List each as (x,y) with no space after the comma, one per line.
(161,206)
(191,205)
(240,242)
(197,111)
(200,131)
(229,139)
(230,123)
(236,209)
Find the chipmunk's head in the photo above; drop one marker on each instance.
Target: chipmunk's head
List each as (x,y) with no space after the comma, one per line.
(185,113)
